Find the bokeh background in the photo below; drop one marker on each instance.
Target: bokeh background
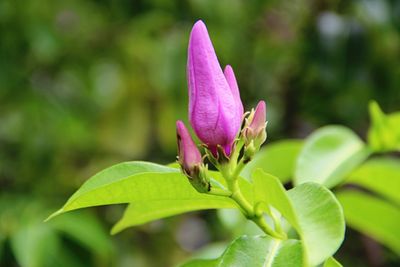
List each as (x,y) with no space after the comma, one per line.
(87,84)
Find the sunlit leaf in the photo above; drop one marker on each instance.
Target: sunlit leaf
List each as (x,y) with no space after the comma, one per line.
(380,175)
(332,262)
(138,181)
(278,159)
(311,209)
(145,211)
(256,251)
(328,155)
(372,216)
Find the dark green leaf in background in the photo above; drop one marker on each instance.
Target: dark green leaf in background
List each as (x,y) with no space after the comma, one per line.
(379,175)
(372,216)
(278,159)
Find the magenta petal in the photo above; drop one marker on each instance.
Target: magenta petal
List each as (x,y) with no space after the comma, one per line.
(260,117)
(231,79)
(213,105)
(189,154)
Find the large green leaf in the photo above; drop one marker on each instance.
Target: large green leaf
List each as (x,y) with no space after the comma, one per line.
(256,251)
(137,181)
(372,216)
(278,159)
(268,189)
(328,155)
(380,175)
(145,211)
(311,209)
(320,218)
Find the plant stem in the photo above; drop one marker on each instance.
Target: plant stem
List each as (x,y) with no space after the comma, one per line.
(231,172)
(220,192)
(248,210)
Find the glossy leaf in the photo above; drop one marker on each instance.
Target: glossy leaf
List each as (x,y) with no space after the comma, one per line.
(136,181)
(145,211)
(278,159)
(332,262)
(269,189)
(311,209)
(373,217)
(380,175)
(329,155)
(256,251)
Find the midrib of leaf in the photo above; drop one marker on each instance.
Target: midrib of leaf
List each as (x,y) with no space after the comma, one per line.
(78,194)
(270,256)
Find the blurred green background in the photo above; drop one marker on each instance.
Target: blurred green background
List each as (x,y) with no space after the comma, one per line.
(87,84)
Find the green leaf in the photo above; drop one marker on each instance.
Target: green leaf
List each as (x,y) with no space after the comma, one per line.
(256,251)
(329,155)
(380,175)
(331,262)
(384,132)
(140,182)
(35,245)
(145,211)
(269,189)
(311,209)
(372,216)
(278,159)
(86,229)
(320,218)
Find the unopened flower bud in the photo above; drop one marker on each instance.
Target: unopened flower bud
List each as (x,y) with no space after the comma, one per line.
(215,108)
(254,132)
(190,159)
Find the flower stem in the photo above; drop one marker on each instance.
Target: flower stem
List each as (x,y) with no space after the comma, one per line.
(231,171)
(248,210)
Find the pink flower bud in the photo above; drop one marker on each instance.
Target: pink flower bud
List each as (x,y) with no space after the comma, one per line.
(255,128)
(260,116)
(215,108)
(188,153)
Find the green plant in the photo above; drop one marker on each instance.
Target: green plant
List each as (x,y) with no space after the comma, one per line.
(303,226)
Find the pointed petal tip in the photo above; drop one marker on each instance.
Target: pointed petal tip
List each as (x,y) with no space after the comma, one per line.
(228,68)
(181,128)
(199,28)
(179,124)
(199,23)
(261,105)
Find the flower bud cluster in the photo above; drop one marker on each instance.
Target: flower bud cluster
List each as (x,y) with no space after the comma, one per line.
(215,114)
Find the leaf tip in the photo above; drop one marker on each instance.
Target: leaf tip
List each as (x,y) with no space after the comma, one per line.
(116,229)
(54,214)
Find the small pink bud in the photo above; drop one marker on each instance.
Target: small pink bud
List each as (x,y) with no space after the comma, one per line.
(260,116)
(255,128)
(188,153)
(215,108)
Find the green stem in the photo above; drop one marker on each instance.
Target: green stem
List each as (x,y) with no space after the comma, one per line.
(231,172)
(248,210)
(220,192)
